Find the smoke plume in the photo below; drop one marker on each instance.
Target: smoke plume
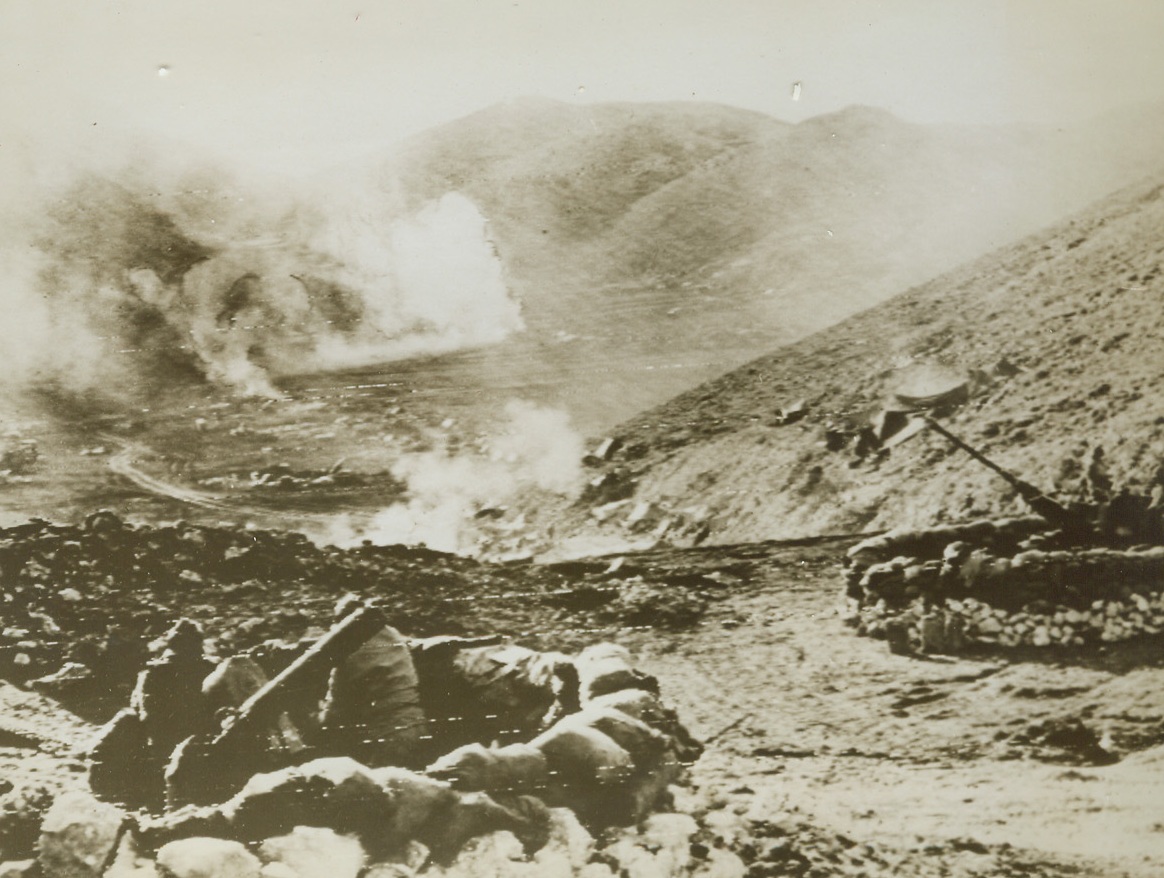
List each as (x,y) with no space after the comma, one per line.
(137,278)
(536,450)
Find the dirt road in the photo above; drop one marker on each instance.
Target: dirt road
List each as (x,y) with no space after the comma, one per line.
(815,722)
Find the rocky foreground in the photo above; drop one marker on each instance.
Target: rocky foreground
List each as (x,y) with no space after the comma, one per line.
(94,595)
(825,754)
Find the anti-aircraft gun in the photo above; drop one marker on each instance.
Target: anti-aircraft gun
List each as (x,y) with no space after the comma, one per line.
(1072,524)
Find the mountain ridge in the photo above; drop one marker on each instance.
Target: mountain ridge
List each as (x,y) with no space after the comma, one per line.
(711,235)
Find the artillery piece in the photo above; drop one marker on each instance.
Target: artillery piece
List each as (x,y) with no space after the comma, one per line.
(1057,515)
(1068,575)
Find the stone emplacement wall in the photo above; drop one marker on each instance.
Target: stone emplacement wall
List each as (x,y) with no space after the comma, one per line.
(531,806)
(1008,582)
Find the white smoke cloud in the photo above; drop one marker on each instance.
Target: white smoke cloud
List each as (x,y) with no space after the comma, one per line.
(431,282)
(537,449)
(44,344)
(450,276)
(165,262)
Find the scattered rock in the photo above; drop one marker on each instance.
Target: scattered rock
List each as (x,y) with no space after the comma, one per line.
(78,836)
(18,869)
(128,862)
(315,852)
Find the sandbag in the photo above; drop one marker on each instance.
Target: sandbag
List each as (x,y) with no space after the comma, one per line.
(337,793)
(645,745)
(577,754)
(647,708)
(605,668)
(513,768)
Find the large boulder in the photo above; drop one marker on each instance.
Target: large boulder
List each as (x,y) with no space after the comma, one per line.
(568,847)
(489,856)
(503,855)
(78,836)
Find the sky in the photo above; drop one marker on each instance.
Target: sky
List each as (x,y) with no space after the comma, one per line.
(298,85)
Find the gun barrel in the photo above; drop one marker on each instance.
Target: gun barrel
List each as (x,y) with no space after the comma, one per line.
(1040,503)
(977,455)
(343,639)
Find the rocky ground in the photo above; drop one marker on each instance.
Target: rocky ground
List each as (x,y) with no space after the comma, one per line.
(1056,339)
(827,754)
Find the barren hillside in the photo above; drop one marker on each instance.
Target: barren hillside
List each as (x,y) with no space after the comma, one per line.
(1059,340)
(597,259)
(653,246)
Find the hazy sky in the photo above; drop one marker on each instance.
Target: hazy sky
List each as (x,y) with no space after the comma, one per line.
(304,83)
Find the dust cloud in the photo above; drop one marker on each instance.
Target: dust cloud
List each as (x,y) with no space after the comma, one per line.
(123,279)
(537,449)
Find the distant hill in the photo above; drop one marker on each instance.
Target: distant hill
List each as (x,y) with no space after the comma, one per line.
(622,252)
(1059,338)
(656,245)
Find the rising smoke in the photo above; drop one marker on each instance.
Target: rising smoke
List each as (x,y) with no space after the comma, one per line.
(137,278)
(536,450)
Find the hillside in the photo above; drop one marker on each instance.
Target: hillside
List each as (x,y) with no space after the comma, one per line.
(1060,338)
(598,259)
(653,246)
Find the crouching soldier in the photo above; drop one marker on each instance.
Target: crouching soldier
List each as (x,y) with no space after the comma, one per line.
(372,712)
(195,732)
(132,749)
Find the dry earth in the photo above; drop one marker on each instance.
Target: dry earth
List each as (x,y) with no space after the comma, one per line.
(827,755)
(1065,329)
(809,720)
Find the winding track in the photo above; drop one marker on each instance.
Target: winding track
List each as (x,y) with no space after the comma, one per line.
(122,464)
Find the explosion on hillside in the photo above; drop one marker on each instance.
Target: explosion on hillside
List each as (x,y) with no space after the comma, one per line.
(453,498)
(153,275)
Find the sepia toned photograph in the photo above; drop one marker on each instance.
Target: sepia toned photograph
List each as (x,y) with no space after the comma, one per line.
(653,439)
